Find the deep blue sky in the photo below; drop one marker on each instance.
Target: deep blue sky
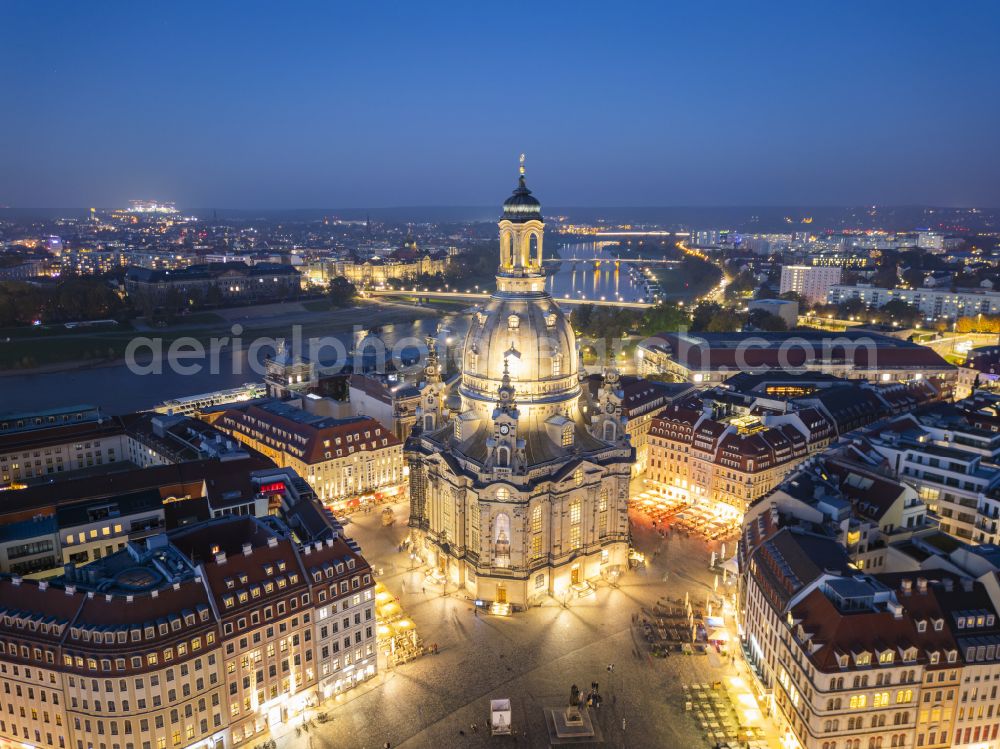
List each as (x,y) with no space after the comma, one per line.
(339,104)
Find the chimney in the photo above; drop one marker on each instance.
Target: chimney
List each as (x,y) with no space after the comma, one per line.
(42,585)
(949,584)
(967,584)
(16,580)
(922,584)
(70,590)
(272,541)
(247,550)
(220,558)
(907,586)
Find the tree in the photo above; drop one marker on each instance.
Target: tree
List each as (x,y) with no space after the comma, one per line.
(580,317)
(851,308)
(713,318)
(898,311)
(764,320)
(664,317)
(742,285)
(794,296)
(342,292)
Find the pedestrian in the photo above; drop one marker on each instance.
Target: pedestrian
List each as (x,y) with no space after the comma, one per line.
(423,589)
(475,728)
(623,725)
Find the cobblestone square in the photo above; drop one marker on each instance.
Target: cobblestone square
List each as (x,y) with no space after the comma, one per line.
(532,658)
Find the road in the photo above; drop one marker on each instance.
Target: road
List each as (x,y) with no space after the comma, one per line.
(532,658)
(483,296)
(717,293)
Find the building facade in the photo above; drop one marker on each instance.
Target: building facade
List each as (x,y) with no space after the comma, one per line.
(811,282)
(933,303)
(341,459)
(212,637)
(713,358)
(520,495)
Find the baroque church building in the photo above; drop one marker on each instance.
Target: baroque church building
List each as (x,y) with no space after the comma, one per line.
(520,492)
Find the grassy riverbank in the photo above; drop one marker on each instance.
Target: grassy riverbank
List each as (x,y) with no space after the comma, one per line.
(24,350)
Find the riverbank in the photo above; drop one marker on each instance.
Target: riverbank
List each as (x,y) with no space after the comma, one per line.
(46,351)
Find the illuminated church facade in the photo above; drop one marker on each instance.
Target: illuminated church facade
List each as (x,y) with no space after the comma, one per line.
(520,492)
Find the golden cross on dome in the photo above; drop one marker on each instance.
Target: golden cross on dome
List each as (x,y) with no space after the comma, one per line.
(522,164)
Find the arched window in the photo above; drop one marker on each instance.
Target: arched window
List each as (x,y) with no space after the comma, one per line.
(501,540)
(513,322)
(428,422)
(610,433)
(533,251)
(507,251)
(567,435)
(503,494)
(503,456)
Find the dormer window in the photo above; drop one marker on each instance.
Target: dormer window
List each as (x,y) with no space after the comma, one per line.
(886,657)
(938,625)
(567,435)
(921,626)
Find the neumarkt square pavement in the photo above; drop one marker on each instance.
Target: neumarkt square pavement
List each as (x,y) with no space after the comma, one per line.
(532,658)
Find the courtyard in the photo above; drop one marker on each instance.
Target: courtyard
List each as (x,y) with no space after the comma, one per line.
(532,658)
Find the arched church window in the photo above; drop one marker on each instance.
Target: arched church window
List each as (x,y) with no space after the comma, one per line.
(428,422)
(609,431)
(501,540)
(513,322)
(567,435)
(578,476)
(557,365)
(533,252)
(503,456)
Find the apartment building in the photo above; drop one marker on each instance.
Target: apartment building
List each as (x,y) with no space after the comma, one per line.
(734,444)
(811,282)
(849,660)
(952,464)
(934,303)
(341,459)
(208,637)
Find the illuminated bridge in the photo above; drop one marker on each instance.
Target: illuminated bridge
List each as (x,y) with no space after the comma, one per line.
(473,296)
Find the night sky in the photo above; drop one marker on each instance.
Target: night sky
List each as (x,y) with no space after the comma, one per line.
(336,104)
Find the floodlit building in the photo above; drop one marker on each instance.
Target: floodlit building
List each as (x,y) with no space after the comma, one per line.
(341,459)
(520,495)
(713,358)
(933,303)
(215,636)
(811,282)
